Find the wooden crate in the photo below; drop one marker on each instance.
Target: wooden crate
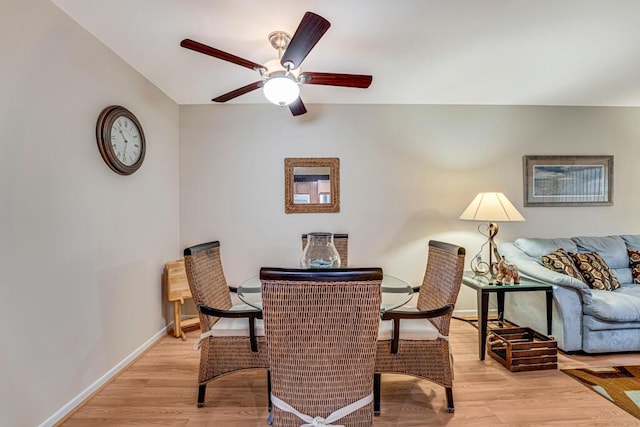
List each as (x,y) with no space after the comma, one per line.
(522,349)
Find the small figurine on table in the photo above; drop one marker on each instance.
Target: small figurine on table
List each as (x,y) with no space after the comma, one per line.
(505,273)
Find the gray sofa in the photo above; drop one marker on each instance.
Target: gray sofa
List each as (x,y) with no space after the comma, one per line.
(591,320)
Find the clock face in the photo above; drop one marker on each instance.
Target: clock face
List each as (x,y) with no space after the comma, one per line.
(120,140)
(125,140)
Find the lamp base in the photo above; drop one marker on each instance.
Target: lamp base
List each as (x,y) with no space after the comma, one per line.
(479,267)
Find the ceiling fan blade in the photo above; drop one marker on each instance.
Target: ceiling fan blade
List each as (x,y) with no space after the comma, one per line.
(297,107)
(216,53)
(335,79)
(312,27)
(240,91)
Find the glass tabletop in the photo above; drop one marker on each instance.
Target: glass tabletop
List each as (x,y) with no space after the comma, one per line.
(477,281)
(395,292)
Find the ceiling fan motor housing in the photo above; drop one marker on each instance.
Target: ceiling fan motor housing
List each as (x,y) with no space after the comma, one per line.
(275,68)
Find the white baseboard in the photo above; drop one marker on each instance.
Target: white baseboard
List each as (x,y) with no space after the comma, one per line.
(76,401)
(465,313)
(472,313)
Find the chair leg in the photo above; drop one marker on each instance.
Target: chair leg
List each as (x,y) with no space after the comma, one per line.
(270,404)
(450,407)
(377,379)
(201,390)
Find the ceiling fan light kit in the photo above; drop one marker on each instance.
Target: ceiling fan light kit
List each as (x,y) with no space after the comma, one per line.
(281,90)
(281,77)
(281,84)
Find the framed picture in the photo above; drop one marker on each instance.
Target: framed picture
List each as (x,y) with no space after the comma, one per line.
(568,180)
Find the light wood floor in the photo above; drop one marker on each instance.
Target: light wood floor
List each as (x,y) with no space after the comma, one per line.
(160,389)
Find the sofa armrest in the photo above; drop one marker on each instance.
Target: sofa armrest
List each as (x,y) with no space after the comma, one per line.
(531,267)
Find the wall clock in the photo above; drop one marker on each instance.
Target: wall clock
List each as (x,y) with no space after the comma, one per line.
(120,139)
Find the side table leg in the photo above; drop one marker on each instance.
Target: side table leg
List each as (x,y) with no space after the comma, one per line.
(483,308)
(500,298)
(549,295)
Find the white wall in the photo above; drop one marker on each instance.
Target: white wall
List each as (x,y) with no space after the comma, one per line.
(81,248)
(407,173)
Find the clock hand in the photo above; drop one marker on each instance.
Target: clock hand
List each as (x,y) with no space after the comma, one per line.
(124,153)
(122,133)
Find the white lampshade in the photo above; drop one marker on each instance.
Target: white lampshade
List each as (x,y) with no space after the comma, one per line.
(281,90)
(492,207)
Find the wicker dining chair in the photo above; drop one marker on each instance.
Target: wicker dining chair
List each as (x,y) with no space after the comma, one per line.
(341,242)
(321,328)
(415,340)
(232,337)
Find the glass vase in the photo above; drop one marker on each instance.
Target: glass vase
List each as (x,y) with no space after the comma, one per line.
(320,252)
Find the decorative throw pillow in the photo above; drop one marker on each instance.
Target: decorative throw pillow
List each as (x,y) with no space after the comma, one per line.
(595,270)
(560,261)
(634,263)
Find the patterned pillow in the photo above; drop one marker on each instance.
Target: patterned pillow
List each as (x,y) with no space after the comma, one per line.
(560,261)
(596,272)
(634,263)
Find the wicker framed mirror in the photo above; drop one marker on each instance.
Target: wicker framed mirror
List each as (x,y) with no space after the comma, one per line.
(311,185)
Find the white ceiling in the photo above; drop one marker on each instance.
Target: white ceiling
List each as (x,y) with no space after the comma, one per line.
(507,52)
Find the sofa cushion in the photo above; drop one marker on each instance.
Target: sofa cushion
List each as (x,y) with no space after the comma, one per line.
(611,248)
(622,305)
(634,263)
(560,261)
(536,247)
(632,240)
(592,323)
(595,271)
(623,275)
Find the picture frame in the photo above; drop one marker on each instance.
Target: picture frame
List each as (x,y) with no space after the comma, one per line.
(568,180)
(311,185)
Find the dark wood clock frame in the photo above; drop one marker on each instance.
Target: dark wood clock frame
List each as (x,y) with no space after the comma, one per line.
(103,135)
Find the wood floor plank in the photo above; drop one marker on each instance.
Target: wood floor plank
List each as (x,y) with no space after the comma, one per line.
(160,389)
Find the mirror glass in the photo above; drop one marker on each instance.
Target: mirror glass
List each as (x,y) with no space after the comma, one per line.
(312,185)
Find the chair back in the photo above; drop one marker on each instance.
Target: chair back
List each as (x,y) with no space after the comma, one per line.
(206,280)
(321,329)
(341,242)
(442,280)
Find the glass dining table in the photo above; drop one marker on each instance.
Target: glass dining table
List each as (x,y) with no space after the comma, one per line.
(395,292)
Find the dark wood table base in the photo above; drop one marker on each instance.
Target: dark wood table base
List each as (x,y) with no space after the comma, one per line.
(483,287)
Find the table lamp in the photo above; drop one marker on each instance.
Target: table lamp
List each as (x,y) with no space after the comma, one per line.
(490,208)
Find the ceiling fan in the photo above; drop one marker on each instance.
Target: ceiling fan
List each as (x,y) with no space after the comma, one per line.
(280,78)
